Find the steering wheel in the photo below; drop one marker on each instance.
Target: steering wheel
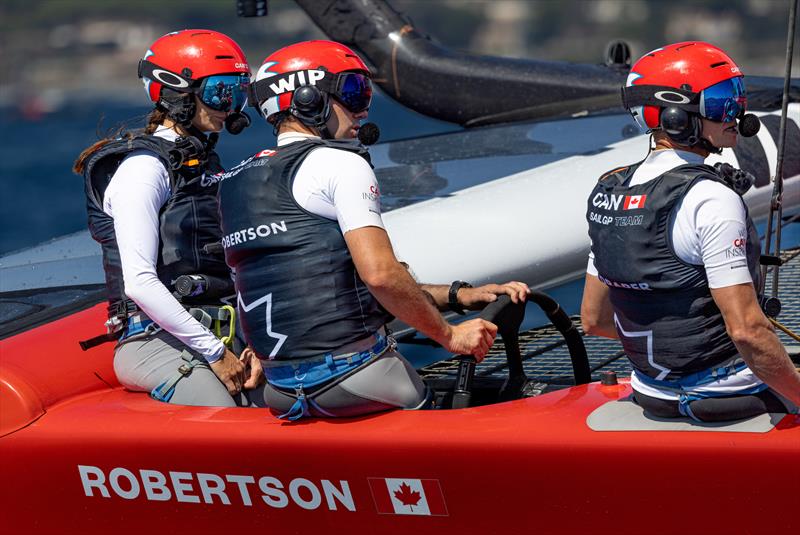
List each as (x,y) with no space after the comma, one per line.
(508,317)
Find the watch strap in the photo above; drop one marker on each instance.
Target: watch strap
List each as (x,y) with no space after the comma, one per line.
(452,296)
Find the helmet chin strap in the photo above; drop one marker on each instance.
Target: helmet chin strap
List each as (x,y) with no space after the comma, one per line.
(193,131)
(324,131)
(705,144)
(748,126)
(180,107)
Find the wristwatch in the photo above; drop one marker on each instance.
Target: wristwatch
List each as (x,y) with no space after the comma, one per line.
(452,296)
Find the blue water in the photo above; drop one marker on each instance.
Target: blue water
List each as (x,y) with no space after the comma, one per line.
(42,199)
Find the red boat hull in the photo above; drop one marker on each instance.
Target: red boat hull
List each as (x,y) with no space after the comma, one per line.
(81,455)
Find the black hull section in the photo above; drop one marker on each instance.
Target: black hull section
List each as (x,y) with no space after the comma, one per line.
(459,87)
(473,90)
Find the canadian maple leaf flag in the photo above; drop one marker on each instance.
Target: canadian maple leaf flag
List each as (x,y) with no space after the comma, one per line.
(634,201)
(408,496)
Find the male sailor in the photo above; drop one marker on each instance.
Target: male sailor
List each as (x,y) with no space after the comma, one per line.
(674,264)
(316,275)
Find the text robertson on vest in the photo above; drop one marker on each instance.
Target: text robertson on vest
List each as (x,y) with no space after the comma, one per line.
(253,233)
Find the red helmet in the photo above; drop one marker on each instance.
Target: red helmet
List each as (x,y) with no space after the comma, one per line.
(330,67)
(181,60)
(694,76)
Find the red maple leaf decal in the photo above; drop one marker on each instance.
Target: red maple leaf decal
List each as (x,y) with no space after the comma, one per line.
(406,496)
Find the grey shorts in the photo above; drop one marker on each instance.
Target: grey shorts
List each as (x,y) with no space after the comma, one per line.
(387,382)
(143,362)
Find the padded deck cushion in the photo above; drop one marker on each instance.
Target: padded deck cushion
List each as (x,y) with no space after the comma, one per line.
(625,415)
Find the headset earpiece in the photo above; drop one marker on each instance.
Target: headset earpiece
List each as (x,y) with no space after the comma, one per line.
(681,126)
(310,106)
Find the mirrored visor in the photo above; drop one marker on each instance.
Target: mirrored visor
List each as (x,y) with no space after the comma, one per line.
(225,92)
(354,91)
(725,101)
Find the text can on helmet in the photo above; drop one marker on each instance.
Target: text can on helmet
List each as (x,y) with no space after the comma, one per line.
(671,87)
(300,79)
(205,63)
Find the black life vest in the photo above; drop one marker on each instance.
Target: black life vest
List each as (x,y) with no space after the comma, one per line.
(188,221)
(298,289)
(667,320)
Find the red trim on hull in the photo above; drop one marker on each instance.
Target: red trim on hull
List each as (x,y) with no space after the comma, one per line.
(527,466)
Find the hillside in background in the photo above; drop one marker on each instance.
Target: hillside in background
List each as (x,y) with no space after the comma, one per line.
(58,50)
(68,70)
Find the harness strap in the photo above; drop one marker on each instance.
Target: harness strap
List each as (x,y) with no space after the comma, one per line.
(685,398)
(99,340)
(165,390)
(303,403)
(115,325)
(299,408)
(202,316)
(700,378)
(328,372)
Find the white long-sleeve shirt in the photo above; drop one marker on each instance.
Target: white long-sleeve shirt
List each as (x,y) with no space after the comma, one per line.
(134,197)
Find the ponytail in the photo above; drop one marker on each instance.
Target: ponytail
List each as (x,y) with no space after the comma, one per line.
(154,120)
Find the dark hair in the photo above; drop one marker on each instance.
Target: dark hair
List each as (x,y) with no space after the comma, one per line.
(277,118)
(154,120)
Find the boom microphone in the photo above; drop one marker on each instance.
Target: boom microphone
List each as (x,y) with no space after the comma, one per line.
(749,125)
(369,133)
(236,122)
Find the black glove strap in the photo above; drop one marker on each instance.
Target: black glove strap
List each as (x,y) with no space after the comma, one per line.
(452,296)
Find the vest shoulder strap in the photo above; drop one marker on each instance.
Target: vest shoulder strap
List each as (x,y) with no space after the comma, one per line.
(103,164)
(694,171)
(348,145)
(618,176)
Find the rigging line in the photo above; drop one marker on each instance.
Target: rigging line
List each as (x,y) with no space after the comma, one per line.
(785,329)
(396,43)
(776,204)
(787,220)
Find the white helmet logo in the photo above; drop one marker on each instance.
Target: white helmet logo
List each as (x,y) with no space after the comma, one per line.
(167,78)
(672,97)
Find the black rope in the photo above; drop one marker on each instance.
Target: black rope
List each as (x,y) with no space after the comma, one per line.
(776,204)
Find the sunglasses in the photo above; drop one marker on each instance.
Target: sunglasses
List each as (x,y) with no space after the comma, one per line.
(354,91)
(725,101)
(224,92)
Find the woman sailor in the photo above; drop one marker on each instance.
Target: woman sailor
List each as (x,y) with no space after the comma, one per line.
(151,202)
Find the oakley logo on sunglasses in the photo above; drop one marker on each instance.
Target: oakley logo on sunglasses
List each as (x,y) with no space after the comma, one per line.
(290,81)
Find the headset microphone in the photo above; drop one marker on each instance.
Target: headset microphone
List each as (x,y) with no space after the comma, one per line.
(236,122)
(749,125)
(369,133)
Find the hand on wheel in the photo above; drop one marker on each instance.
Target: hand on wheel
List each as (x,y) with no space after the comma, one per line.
(473,337)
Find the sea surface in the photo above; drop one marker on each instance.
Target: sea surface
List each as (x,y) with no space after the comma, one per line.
(40,197)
